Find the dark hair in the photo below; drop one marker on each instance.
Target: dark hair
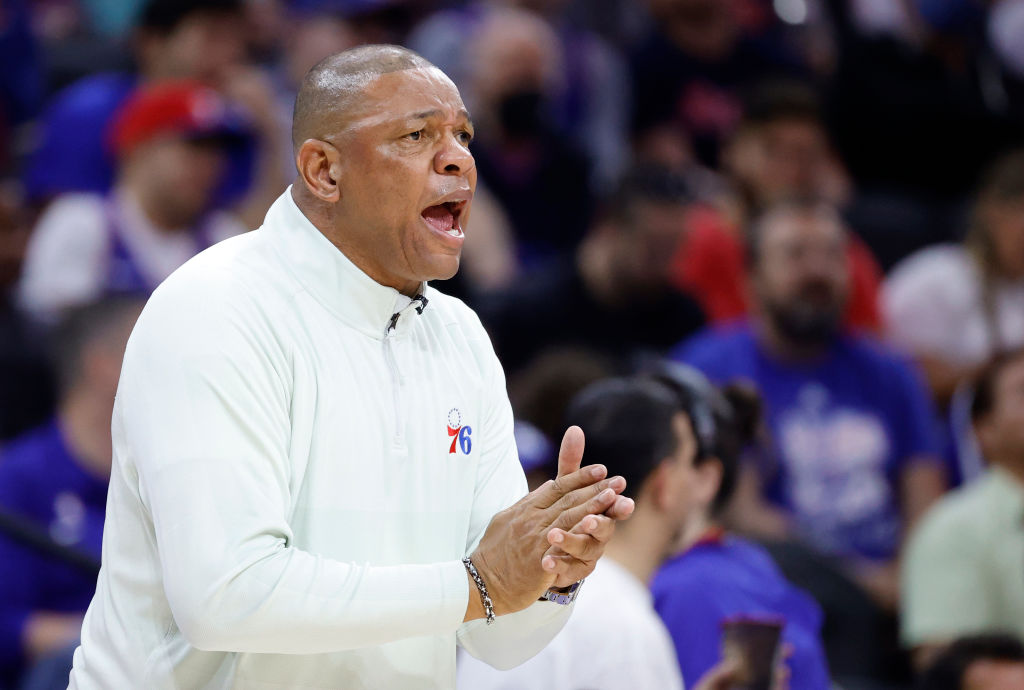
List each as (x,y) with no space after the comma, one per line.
(797,204)
(987,381)
(781,99)
(164,16)
(81,326)
(726,422)
(628,426)
(949,668)
(652,184)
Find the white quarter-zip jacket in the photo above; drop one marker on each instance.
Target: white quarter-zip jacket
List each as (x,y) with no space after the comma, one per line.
(302,457)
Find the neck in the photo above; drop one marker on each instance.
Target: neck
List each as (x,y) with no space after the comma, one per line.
(696,527)
(320,214)
(641,545)
(85,422)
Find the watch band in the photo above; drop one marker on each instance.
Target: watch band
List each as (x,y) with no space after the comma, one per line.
(565,596)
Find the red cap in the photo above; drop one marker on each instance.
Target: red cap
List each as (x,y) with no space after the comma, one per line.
(184,107)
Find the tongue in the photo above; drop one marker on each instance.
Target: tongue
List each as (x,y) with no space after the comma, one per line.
(440,217)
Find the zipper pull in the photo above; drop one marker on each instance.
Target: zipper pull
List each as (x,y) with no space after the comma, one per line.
(393,323)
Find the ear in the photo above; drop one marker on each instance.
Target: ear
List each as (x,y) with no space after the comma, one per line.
(660,487)
(319,166)
(709,478)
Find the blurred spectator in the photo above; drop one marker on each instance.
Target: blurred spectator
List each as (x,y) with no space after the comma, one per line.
(613,296)
(637,429)
(171,141)
(55,477)
(963,565)
(26,389)
(688,73)
(780,149)
(717,576)
(176,39)
(855,460)
(980,662)
(583,91)
(955,306)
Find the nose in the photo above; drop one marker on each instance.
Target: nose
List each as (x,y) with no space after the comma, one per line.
(453,158)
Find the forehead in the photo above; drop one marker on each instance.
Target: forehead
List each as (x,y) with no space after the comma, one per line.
(395,96)
(803,226)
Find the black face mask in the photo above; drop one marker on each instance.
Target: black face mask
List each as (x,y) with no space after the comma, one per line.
(521,114)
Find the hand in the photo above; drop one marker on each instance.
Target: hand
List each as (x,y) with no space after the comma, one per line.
(509,557)
(727,672)
(574,553)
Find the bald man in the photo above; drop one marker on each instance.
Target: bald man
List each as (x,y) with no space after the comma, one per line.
(315,483)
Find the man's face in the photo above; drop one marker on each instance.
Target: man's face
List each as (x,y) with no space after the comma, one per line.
(1005,223)
(686,478)
(205,46)
(648,245)
(1002,432)
(800,277)
(179,174)
(407,177)
(994,675)
(785,157)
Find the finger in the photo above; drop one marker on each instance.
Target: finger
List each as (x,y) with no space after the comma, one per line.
(621,509)
(570,453)
(582,547)
(553,489)
(565,568)
(600,527)
(574,510)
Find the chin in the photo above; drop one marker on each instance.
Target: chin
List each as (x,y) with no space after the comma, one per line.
(443,269)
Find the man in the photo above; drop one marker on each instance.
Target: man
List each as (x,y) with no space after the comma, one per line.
(174,39)
(855,460)
(614,295)
(55,479)
(962,568)
(171,141)
(308,441)
(979,662)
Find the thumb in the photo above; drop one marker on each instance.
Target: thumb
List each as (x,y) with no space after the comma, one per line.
(570,454)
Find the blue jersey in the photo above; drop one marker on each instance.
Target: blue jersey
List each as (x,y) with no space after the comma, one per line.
(721,578)
(41,481)
(843,428)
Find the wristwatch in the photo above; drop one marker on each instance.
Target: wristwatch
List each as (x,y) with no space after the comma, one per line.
(562,595)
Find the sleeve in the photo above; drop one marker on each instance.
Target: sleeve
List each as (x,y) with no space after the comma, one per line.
(202,413)
(943,593)
(18,573)
(915,419)
(64,259)
(512,638)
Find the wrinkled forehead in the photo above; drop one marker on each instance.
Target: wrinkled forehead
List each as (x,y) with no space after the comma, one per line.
(399,95)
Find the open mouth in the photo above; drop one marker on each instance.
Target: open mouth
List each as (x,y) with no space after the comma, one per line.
(445,217)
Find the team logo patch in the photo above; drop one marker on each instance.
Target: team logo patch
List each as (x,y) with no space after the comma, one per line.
(461,435)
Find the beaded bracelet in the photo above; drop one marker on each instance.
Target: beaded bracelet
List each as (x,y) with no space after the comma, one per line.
(484,596)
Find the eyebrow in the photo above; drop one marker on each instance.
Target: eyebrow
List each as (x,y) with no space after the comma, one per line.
(427,114)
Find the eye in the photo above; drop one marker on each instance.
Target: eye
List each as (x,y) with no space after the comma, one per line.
(465,137)
(415,136)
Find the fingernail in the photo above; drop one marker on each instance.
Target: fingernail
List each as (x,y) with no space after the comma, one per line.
(590,524)
(548,563)
(596,471)
(557,537)
(617,483)
(606,494)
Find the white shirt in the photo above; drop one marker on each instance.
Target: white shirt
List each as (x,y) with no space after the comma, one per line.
(289,504)
(614,641)
(68,254)
(933,305)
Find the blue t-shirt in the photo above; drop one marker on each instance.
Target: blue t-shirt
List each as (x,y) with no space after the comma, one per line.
(843,428)
(723,578)
(41,481)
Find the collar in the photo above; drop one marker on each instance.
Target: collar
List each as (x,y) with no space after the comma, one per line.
(713,536)
(327,274)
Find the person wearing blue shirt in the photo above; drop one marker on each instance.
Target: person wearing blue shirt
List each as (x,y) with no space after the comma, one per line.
(853,458)
(54,479)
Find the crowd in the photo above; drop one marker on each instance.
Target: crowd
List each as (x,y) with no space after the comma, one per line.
(768,254)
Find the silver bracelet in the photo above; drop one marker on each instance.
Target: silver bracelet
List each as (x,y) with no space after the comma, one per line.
(484,596)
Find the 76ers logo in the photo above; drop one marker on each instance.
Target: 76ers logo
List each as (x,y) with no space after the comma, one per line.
(461,435)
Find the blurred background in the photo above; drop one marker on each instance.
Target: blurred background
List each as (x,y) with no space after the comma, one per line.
(822,199)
